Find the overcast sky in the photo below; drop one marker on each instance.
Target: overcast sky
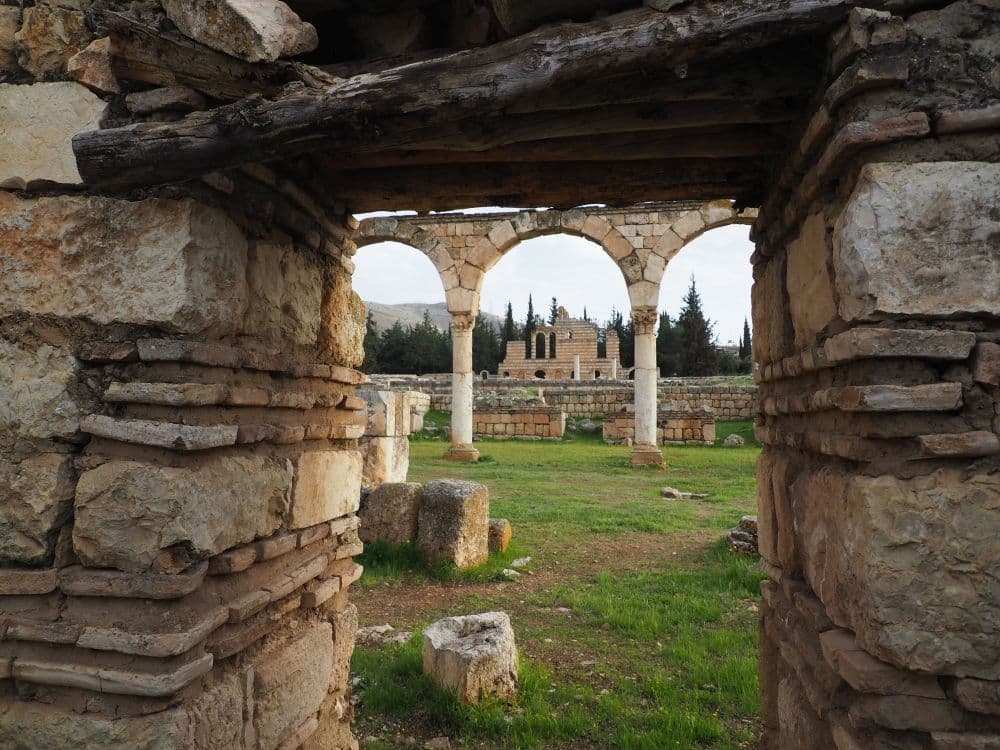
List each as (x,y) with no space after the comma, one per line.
(578,273)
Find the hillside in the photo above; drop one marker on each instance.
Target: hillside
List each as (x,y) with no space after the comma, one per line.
(411,313)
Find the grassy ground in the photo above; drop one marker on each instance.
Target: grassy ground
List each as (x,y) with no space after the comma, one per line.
(636,626)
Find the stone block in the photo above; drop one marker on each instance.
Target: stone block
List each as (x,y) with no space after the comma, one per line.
(10,21)
(39,124)
(262,30)
(863,343)
(138,516)
(382,409)
(327,486)
(798,724)
(919,239)
(386,459)
(290,683)
(342,323)
(906,712)
(986,364)
(501,533)
(91,66)
(453,523)
(170,263)
(39,390)
(37,500)
(866,674)
(473,656)
(964,741)
(981,696)
(907,564)
(285,293)
(48,37)
(389,512)
(810,291)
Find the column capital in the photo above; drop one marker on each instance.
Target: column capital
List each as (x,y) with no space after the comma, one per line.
(462,322)
(644,319)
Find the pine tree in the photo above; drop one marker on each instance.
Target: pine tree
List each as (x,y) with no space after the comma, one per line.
(667,345)
(529,328)
(371,346)
(553,312)
(697,353)
(485,346)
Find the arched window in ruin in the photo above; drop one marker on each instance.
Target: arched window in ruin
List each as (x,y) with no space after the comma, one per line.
(506,373)
(552,345)
(484,375)
(540,346)
(540,374)
(597,374)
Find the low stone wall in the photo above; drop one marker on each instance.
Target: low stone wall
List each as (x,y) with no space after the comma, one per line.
(595,398)
(673,427)
(519,422)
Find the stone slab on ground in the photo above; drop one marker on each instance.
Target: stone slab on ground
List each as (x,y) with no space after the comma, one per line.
(473,656)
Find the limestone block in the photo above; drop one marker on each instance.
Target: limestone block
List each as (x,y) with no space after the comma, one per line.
(48,37)
(37,501)
(387,459)
(39,123)
(171,263)
(10,21)
(137,516)
(91,66)
(454,523)
(37,393)
(920,239)
(810,291)
(253,30)
(285,293)
(501,533)
(772,325)
(290,683)
(473,656)
(342,324)
(986,364)
(381,408)
(327,486)
(389,512)
(907,564)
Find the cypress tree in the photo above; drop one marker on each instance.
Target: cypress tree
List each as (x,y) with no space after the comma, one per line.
(746,343)
(697,353)
(667,345)
(529,328)
(509,326)
(553,312)
(371,346)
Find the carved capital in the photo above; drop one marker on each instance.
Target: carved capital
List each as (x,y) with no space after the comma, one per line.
(463,323)
(644,319)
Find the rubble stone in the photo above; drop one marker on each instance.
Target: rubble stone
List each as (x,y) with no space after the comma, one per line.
(92,67)
(390,512)
(500,535)
(473,656)
(10,21)
(48,37)
(453,524)
(37,500)
(39,394)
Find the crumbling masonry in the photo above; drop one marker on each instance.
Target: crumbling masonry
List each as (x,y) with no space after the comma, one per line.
(178,338)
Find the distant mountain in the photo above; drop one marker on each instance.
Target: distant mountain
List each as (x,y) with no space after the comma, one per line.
(411,313)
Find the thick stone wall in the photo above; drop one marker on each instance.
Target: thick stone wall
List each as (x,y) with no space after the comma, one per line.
(519,422)
(877,343)
(673,427)
(596,398)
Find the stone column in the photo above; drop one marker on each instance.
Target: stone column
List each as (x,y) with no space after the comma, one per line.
(645,451)
(614,368)
(576,367)
(461,390)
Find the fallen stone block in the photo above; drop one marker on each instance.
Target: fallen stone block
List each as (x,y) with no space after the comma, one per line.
(453,524)
(390,513)
(472,656)
(501,533)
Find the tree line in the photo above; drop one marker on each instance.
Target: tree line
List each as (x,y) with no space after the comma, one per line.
(685,347)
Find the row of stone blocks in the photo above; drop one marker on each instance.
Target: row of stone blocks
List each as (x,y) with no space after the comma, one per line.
(519,422)
(687,427)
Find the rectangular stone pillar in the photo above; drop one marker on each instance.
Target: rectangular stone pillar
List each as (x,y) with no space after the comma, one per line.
(877,346)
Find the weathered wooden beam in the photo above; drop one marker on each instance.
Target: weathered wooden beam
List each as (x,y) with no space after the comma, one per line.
(561,184)
(480,82)
(715,143)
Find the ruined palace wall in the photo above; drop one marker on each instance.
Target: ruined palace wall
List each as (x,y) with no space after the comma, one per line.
(519,422)
(877,342)
(596,398)
(686,427)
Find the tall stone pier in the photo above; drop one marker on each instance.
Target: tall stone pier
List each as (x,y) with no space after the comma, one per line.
(876,306)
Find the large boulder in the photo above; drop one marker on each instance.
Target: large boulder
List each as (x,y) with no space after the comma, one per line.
(454,523)
(390,512)
(473,656)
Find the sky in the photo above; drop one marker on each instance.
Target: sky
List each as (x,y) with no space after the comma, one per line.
(579,274)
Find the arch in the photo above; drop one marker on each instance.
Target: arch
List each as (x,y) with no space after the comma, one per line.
(552,345)
(597,374)
(540,374)
(539,346)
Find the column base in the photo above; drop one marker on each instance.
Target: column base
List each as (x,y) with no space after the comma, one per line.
(646,455)
(462,453)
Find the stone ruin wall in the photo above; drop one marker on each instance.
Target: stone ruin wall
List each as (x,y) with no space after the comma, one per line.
(582,344)
(519,422)
(191,342)
(596,398)
(677,427)
(879,482)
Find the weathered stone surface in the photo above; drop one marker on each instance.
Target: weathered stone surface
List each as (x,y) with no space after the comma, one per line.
(290,683)
(382,408)
(810,291)
(501,533)
(920,239)
(387,459)
(907,564)
(39,124)
(10,21)
(473,656)
(986,364)
(92,67)
(37,394)
(168,98)
(136,516)
(342,327)
(866,674)
(173,263)
(180,437)
(48,37)
(37,499)
(907,712)
(327,486)
(959,445)
(389,512)
(964,741)
(75,579)
(981,696)
(733,441)
(286,293)
(253,30)
(862,343)
(799,727)
(454,523)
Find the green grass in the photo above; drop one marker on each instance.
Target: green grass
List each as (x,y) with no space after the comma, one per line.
(636,625)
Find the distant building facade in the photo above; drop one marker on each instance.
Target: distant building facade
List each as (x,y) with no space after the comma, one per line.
(567,349)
